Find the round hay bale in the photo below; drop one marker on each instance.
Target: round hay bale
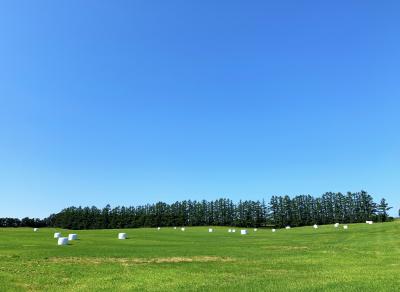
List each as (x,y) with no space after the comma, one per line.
(288,227)
(183,228)
(35,229)
(315,226)
(158,228)
(274,230)
(229,230)
(243,232)
(62,241)
(122,235)
(346,227)
(234,230)
(210,230)
(57,235)
(72,236)
(336,225)
(255,229)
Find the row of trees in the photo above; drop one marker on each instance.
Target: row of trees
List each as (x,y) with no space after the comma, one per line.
(280,212)
(24,222)
(222,212)
(327,209)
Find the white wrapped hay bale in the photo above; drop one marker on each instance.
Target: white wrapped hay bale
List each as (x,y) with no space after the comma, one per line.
(369,222)
(57,235)
(210,230)
(288,227)
(121,235)
(255,229)
(336,225)
(243,232)
(35,229)
(315,226)
(183,229)
(229,230)
(345,227)
(62,241)
(158,228)
(234,230)
(274,230)
(72,236)
(175,227)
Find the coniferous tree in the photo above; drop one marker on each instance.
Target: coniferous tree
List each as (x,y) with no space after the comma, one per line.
(382,209)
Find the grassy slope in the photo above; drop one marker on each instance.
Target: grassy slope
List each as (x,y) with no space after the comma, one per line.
(363,258)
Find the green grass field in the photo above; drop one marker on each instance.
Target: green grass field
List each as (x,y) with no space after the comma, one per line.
(363,258)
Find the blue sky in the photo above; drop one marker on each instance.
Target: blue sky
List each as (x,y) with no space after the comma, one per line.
(131,102)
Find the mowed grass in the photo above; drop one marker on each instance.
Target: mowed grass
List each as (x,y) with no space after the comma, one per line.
(363,258)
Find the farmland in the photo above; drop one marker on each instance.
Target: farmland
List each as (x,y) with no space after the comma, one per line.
(362,258)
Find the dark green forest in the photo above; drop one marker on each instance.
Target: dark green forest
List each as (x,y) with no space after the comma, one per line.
(279,212)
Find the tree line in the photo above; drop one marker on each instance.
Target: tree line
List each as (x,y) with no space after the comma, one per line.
(24,222)
(281,211)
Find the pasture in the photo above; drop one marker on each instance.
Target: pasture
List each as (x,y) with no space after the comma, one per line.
(362,258)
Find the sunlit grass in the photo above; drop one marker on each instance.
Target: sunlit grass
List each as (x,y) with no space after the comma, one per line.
(363,258)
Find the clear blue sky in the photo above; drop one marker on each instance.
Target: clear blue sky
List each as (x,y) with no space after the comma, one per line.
(130,102)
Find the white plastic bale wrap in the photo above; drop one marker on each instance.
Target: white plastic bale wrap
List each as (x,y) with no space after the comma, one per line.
(210,230)
(288,227)
(234,230)
(345,227)
(243,232)
(183,228)
(229,230)
(158,228)
(57,235)
(336,225)
(274,230)
(121,235)
(315,226)
(72,236)
(255,229)
(62,241)
(35,229)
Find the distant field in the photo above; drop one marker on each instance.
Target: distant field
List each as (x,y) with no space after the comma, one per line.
(363,258)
